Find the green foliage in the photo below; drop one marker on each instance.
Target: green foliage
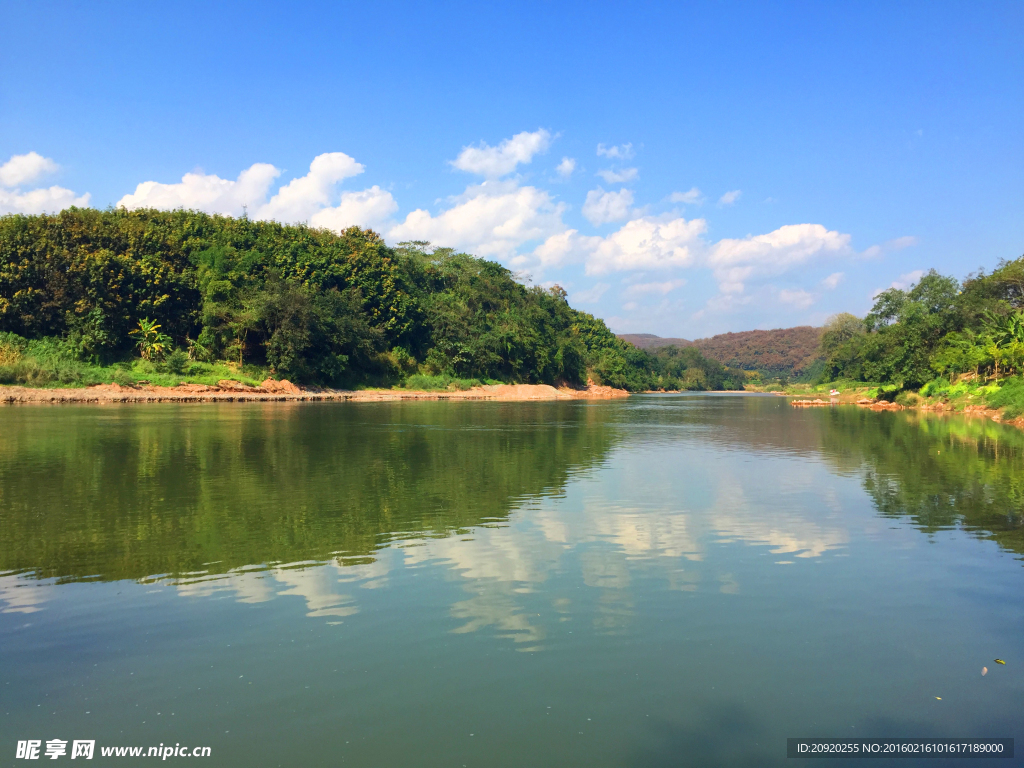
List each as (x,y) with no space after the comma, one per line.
(1009,397)
(685,368)
(937,326)
(177,362)
(41,362)
(151,341)
(307,304)
(427,383)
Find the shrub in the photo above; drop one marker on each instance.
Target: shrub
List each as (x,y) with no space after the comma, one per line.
(1010,398)
(123,378)
(177,362)
(908,399)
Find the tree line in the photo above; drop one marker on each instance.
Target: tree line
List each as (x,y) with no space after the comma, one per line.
(311,305)
(939,327)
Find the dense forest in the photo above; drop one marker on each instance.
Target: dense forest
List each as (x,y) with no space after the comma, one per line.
(935,334)
(782,352)
(181,292)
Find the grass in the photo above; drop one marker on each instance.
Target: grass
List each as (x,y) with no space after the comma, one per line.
(848,388)
(428,383)
(48,363)
(1009,397)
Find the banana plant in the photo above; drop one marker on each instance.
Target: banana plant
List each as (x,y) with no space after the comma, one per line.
(153,343)
(1007,329)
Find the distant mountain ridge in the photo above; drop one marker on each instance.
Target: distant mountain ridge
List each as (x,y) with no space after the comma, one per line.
(788,351)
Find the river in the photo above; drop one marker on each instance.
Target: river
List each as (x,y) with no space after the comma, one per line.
(665,580)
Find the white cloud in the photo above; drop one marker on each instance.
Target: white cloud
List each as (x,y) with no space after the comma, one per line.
(491,219)
(833,280)
(897,244)
(206,192)
(619,152)
(370,208)
(23,169)
(798,298)
(602,207)
(618,177)
(590,295)
(649,242)
(566,167)
(312,198)
(494,162)
(693,197)
(730,197)
(49,200)
(737,260)
(662,288)
(300,198)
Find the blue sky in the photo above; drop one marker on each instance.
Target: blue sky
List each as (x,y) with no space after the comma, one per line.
(682,169)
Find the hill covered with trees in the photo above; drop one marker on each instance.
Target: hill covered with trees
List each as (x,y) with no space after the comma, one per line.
(786,352)
(87,292)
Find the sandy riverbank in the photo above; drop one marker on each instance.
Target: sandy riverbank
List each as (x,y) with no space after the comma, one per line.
(234,392)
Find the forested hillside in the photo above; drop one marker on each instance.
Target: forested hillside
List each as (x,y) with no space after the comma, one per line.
(182,292)
(939,327)
(649,341)
(788,352)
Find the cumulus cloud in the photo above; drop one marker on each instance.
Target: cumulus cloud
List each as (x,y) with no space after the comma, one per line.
(735,261)
(833,280)
(616,152)
(494,162)
(49,200)
(206,192)
(371,208)
(693,197)
(663,288)
(603,207)
(300,198)
(24,169)
(648,242)
(730,197)
(798,298)
(312,198)
(491,219)
(566,167)
(618,177)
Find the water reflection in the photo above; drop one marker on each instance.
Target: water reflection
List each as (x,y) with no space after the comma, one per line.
(320,502)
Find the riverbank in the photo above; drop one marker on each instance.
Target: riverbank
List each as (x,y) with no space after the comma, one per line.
(969,401)
(230,391)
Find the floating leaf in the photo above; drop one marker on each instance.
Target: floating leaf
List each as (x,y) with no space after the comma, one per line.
(1000,661)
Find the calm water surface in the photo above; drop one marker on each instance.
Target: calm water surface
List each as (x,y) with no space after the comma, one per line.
(665,581)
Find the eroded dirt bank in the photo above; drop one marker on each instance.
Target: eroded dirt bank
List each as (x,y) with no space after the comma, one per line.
(233,391)
(882,405)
